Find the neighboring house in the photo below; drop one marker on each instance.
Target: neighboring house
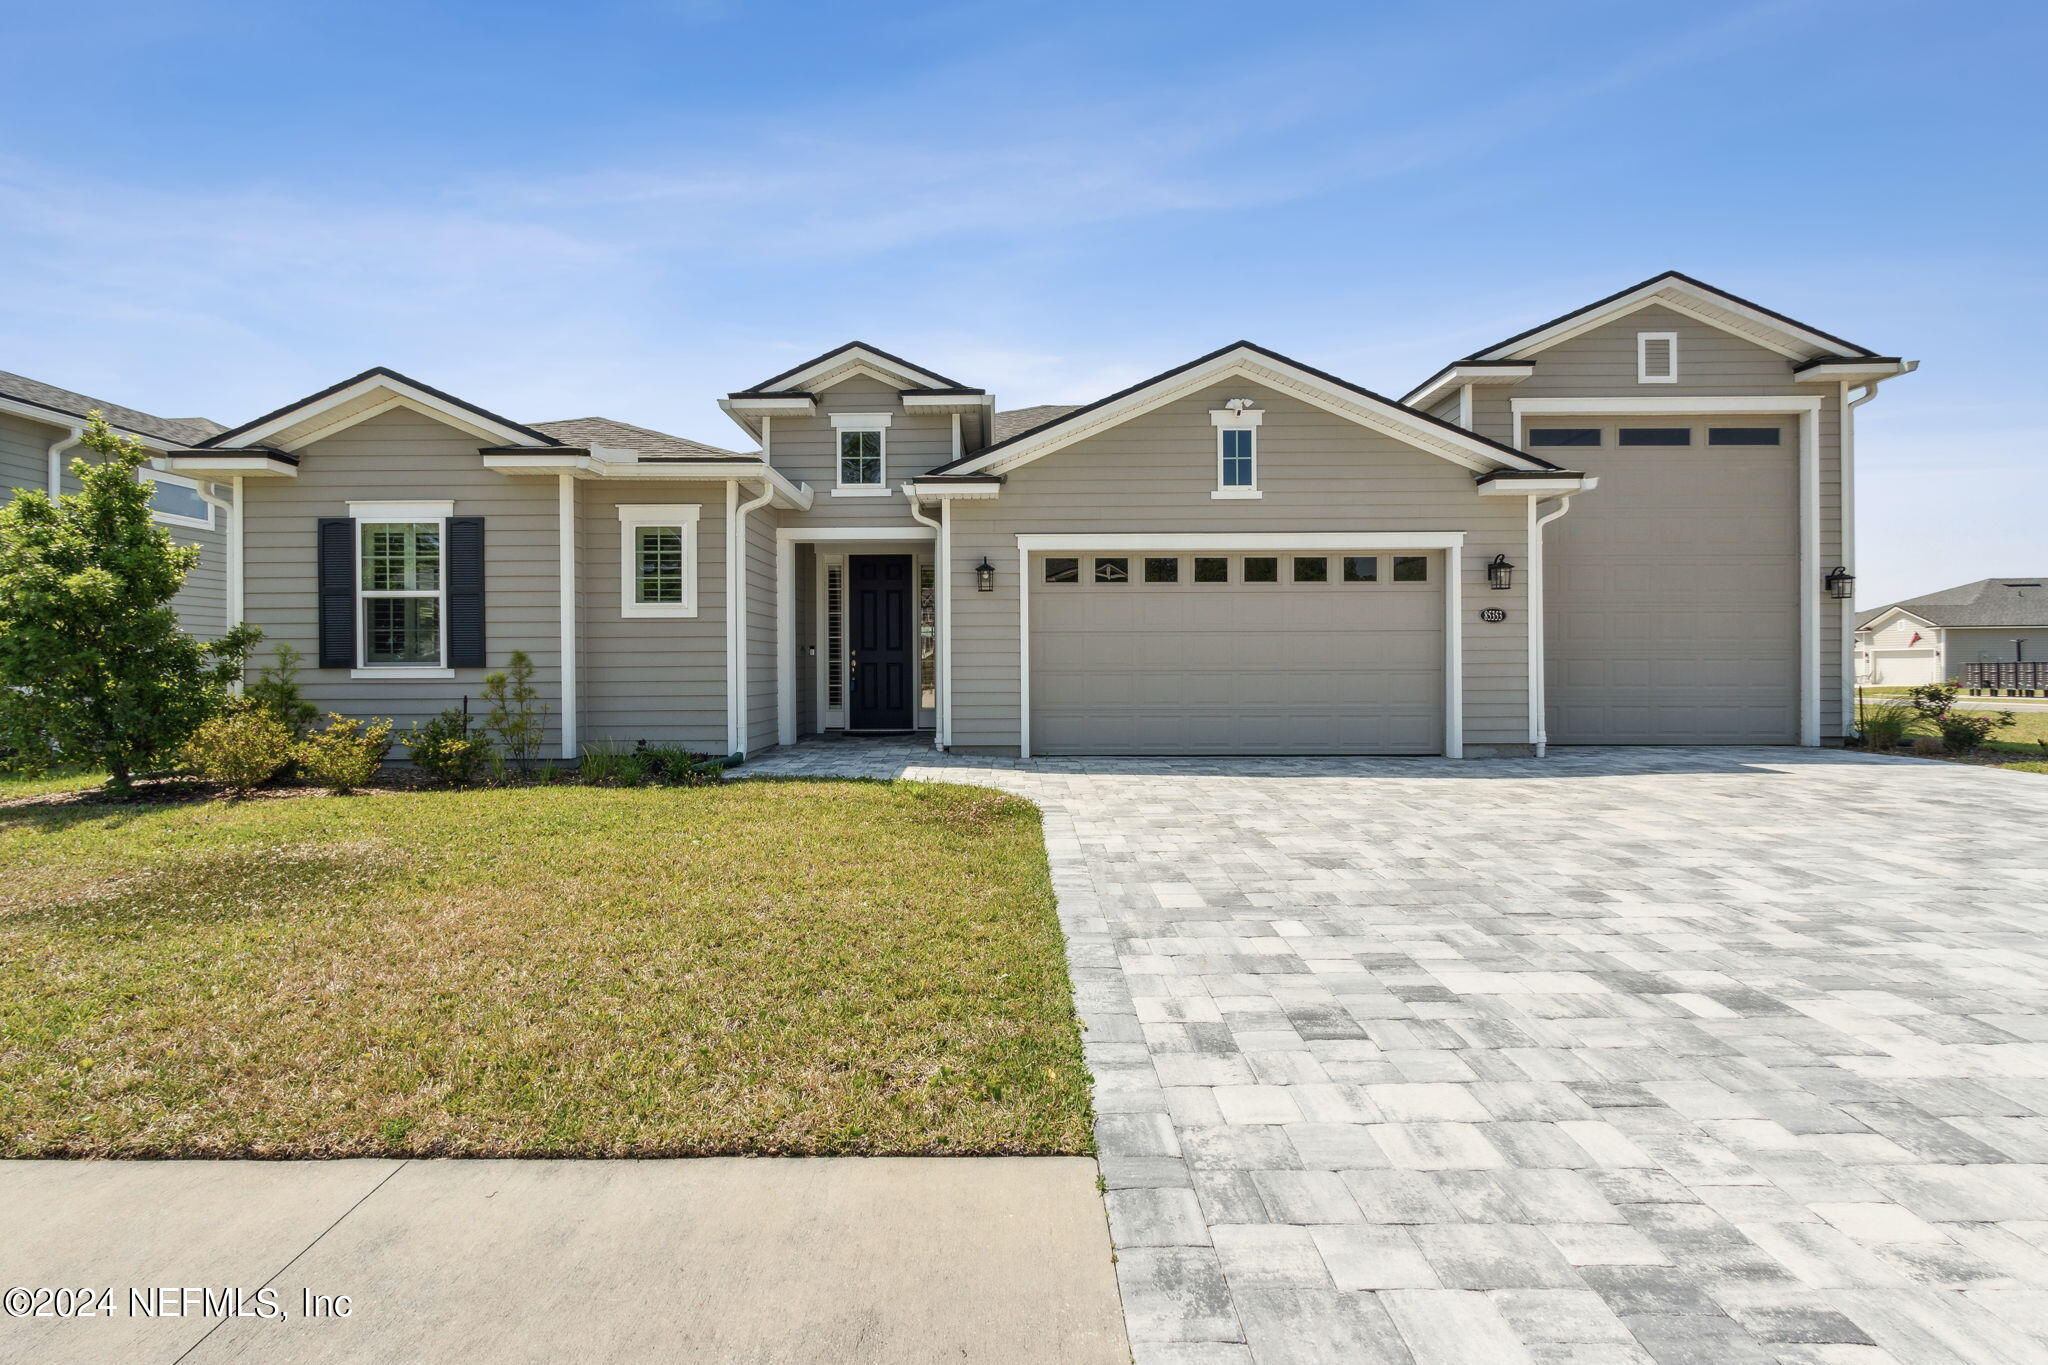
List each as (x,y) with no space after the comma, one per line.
(39,429)
(1617,527)
(1929,639)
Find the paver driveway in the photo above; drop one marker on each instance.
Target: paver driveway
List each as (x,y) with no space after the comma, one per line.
(1678,1055)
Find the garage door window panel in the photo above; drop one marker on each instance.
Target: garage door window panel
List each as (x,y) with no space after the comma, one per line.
(1212,569)
(1656,436)
(1411,568)
(1311,569)
(1361,568)
(1165,570)
(1062,570)
(1112,571)
(1262,568)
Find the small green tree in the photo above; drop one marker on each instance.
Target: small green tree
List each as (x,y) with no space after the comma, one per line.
(93,666)
(517,719)
(276,690)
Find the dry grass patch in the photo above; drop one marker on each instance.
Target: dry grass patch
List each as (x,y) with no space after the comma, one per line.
(763,967)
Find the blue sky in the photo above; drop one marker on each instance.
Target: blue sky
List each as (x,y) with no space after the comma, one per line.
(627,209)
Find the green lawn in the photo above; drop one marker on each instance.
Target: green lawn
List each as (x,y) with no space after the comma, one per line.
(761,967)
(2018,739)
(69,780)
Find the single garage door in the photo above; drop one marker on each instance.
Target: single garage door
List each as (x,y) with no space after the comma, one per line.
(1672,590)
(1294,653)
(1902,668)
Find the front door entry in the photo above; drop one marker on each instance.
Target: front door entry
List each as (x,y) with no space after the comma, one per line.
(880,649)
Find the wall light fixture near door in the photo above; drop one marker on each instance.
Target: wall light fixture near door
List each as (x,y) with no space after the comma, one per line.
(984,576)
(1840,583)
(1500,574)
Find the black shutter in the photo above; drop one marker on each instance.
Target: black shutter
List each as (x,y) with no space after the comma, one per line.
(337,556)
(463,558)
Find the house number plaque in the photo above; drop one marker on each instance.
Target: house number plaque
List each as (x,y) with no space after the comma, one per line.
(1493,614)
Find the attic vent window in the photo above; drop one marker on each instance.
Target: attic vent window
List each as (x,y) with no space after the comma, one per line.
(1656,357)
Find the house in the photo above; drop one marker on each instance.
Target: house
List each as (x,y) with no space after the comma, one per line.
(1929,639)
(1626,525)
(39,429)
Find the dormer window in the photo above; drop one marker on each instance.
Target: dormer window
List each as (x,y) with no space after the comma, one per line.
(863,439)
(1237,449)
(1656,357)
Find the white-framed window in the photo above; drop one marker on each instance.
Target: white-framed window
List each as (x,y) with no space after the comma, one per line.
(861,440)
(1237,449)
(1656,357)
(658,559)
(174,500)
(832,642)
(399,592)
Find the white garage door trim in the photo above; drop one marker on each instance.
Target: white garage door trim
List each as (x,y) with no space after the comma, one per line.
(1808,412)
(1452,543)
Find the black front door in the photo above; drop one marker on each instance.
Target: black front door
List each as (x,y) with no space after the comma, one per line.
(880,646)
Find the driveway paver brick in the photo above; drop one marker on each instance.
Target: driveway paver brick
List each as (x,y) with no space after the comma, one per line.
(1660,1055)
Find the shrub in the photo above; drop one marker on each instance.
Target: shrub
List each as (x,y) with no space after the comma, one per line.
(1964,732)
(94,668)
(238,749)
(1885,725)
(276,690)
(676,766)
(445,749)
(345,755)
(1933,700)
(516,718)
(607,764)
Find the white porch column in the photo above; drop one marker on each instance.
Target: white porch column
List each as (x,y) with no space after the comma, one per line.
(565,513)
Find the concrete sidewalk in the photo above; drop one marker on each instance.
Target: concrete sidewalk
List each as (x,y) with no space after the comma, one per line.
(884,1259)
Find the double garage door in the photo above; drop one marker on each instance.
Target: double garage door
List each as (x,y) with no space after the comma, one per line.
(1297,652)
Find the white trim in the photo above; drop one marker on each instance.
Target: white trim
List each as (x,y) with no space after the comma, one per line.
(393,672)
(1712,308)
(232,466)
(179,481)
(1230,493)
(785,641)
(830,717)
(1227,541)
(861,490)
(50,417)
(633,516)
(1643,375)
(867,423)
(1431,390)
(401,511)
(1454,652)
(1884,618)
(941,562)
(1023,648)
(1539,643)
(975,490)
(855,533)
(890,371)
(1853,371)
(1674,403)
(565,575)
(860,421)
(55,473)
(401,393)
(739,615)
(238,556)
(1542,488)
(1226,421)
(1445,442)
(1465,406)
(959,441)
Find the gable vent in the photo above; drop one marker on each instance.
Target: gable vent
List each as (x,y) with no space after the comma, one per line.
(1657,357)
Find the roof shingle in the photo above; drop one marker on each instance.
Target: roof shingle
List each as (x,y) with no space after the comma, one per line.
(603,431)
(2017,600)
(65,402)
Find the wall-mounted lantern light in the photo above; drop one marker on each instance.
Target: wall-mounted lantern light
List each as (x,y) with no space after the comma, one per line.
(1840,583)
(1500,574)
(984,576)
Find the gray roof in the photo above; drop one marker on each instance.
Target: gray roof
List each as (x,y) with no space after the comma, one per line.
(603,431)
(2016,600)
(182,431)
(1019,420)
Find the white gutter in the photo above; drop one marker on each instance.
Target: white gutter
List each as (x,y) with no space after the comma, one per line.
(1848,477)
(565,521)
(736,610)
(1539,722)
(231,510)
(57,449)
(942,582)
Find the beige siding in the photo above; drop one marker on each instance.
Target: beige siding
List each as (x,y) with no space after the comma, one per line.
(761,661)
(1154,473)
(806,661)
(1899,635)
(805,449)
(661,679)
(1711,362)
(402,455)
(25,463)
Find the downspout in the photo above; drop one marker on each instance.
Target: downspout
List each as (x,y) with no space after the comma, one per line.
(736,614)
(1848,481)
(1539,719)
(942,583)
(57,449)
(565,517)
(231,509)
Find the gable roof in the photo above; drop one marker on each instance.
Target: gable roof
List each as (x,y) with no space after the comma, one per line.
(603,431)
(1475,450)
(68,404)
(853,352)
(335,395)
(1670,287)
(2018,600)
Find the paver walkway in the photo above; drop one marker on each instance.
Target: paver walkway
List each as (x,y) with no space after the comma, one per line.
(1701,1056)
